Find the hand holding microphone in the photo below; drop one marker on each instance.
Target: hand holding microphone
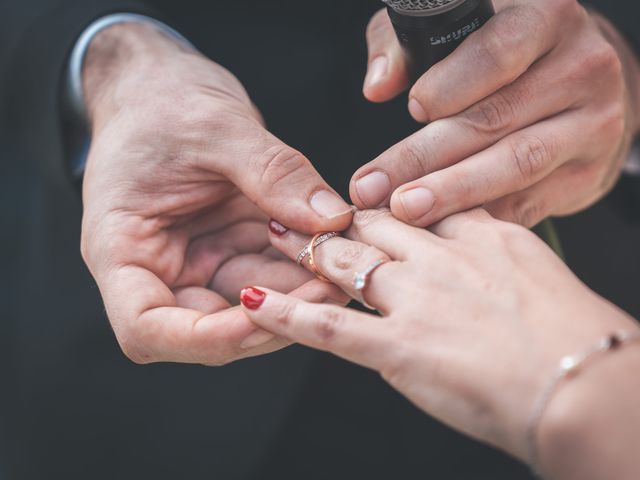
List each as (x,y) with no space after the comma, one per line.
(430,30)
(532,114)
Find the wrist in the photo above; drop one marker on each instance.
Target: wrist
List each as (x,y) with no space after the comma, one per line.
(589,429)
(119,61)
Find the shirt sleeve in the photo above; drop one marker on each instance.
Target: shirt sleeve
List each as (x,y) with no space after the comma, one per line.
(73,95)
(37,38)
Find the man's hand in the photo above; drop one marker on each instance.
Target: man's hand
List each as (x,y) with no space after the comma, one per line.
(532,116)
(180,183)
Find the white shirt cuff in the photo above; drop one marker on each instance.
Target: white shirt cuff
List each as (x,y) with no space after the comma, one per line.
(76,61)
(74,90)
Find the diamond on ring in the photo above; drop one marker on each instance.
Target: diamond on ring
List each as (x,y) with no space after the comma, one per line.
(360,281)
(361,278)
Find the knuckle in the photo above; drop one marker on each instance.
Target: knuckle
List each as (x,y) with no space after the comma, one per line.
(498,43)
(424,92)
(457,190)
(514,236)
(565,6)
(504,39)
(348,256)
(283,316)
(430,92)
(614,123)
(371,254)
(328,324)
(563,10)
(280,164)
(531,155)
(589,174)
(414,155)
(604,58)
(528,213)
(353,255)
(491,51)
(363,218)
(532,215)
(377,26)
(491,116)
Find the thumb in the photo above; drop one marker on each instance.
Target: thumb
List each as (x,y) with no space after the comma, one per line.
(284,184)
(387,72)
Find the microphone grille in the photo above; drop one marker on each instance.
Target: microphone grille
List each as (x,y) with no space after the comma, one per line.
(422,7)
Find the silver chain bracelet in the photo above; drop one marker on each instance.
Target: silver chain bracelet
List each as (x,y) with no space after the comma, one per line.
(569,367)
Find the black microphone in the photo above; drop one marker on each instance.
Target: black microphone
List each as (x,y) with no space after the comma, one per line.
(430,30)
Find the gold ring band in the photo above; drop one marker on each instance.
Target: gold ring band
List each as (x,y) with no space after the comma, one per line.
(319,240)
(312,257)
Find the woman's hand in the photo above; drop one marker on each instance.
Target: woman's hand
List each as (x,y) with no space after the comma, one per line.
(180,174)
(476,315)
(532,116)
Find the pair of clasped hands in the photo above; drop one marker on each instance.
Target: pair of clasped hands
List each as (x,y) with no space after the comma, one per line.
(183,179)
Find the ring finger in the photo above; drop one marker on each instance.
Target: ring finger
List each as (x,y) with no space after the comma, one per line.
(340,261)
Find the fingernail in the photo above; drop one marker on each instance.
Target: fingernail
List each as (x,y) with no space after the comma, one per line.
(329,205)
(257,338)
(417,202)
(377,71)
(277,228)
(252,297)
(373,189)
(416,111)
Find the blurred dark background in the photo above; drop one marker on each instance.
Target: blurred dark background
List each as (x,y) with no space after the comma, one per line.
(71,405)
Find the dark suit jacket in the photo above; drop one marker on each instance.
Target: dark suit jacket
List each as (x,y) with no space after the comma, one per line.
(72,407)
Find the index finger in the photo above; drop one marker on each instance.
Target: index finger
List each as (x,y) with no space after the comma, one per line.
(352,335)
(340,260)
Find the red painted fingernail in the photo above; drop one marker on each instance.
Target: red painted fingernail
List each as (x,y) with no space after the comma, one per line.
(277,228)
(252,298)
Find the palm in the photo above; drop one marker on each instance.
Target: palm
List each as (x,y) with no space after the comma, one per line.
(221,250)
(168,237)
(181,263)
